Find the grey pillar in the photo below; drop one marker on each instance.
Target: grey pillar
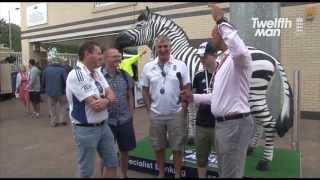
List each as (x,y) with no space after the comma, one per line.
(241,15)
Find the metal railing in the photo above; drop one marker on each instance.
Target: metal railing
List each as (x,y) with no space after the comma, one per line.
(296,133)
(71,58)
(17,63)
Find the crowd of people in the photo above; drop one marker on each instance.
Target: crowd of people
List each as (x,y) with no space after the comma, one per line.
(97,94)
(51,81)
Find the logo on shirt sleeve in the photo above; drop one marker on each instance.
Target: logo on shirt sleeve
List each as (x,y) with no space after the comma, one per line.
(86,87)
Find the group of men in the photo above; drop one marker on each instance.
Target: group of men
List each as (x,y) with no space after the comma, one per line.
(101,104)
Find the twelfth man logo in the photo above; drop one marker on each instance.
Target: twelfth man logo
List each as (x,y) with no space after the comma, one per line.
(270,28)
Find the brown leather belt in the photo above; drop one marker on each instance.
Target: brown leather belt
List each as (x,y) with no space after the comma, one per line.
(231,117)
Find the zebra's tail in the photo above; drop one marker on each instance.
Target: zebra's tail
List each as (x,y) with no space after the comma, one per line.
(285,120)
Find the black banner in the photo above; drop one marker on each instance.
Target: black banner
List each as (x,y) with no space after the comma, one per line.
(150,167)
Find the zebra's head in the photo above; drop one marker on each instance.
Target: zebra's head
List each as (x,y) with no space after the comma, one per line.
(140,34)
(148,27)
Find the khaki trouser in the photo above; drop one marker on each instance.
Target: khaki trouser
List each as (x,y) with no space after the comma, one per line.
(168,130)
(205,142)
(57,109)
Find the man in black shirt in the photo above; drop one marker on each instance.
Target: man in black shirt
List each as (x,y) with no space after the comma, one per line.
(203,83)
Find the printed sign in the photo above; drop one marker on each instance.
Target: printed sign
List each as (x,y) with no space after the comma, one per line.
(272,27)
(138,98)
(190,156)
(150,166)
(37,14)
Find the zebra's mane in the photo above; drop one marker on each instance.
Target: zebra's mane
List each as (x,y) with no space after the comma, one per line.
(181,47)
(161,18)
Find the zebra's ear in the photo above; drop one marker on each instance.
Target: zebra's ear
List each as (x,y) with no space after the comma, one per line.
(144,15)
(148,10)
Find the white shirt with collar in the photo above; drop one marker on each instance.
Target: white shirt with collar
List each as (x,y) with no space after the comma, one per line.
(231,86)
(165,103)
(81,85)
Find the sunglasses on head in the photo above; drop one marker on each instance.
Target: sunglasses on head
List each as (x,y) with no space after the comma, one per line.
(100,88)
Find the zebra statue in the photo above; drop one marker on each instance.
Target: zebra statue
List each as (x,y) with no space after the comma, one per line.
(150,25)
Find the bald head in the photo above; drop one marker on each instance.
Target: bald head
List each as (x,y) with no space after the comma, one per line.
(111,51)
(112,58)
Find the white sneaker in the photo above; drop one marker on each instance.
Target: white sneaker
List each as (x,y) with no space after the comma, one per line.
(52,124)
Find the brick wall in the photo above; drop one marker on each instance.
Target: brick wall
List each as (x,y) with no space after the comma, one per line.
(301,51)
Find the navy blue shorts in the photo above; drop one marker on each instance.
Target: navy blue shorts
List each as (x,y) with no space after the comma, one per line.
(124,135)
(35,97)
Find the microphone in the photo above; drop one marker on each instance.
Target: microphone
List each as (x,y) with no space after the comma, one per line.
(180,84)
(180,80)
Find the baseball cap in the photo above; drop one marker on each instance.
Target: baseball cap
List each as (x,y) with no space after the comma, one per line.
(206,48)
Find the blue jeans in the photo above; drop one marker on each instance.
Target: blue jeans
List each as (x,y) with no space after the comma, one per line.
(92,139)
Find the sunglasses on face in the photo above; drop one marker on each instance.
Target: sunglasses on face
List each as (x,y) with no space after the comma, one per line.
(162,46)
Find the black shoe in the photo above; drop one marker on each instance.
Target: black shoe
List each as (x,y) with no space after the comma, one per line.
(263,165)
(250,151)
(64,123)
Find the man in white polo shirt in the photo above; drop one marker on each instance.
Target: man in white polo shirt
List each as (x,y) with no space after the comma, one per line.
(230,98)
(89,95)
(162,80)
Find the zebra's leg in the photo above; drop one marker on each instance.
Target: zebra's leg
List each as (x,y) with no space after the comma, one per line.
(264,162)
(256,136)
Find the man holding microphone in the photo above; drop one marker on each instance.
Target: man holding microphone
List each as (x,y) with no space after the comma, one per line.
(162,80)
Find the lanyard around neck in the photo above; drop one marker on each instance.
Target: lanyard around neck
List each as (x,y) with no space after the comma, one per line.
(209,84)
(164,74)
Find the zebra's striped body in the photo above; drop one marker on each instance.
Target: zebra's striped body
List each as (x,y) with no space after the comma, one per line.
(150,25)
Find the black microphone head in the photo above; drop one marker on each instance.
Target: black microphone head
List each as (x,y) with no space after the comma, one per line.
(179,75)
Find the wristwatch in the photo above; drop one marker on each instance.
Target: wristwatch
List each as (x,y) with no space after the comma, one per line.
(222,19)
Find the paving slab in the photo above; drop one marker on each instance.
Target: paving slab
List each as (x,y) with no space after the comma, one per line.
(30,148)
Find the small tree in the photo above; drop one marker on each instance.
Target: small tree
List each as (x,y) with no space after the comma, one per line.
(15,35)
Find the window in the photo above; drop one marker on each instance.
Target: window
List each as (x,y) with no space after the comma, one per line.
(102,6)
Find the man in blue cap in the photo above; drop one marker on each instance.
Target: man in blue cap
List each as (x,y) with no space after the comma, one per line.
(202,84)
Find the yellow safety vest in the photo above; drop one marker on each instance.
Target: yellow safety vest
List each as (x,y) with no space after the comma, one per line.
(126,64)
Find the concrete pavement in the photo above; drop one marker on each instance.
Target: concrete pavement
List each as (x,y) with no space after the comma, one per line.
(29,147)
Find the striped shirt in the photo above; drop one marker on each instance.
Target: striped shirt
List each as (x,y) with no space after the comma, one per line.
(119,111)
